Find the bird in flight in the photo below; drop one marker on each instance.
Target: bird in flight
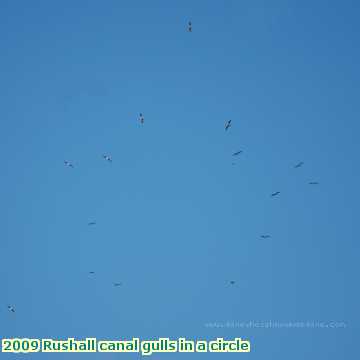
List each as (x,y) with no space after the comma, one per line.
(68,163)
(117,284)
(92,272)
(141,118)
(275,193)
(313,183)
(265,236)
(92,223)
(227,125)
(189,26)
(300,164)
(11,308)
(237,153)
(107,157)
(232,282)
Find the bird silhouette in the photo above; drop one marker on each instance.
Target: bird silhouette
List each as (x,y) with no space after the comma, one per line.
(301,163)
(68,164)
(275,193)
(107,157)
(237,153)
(92,223)
(141,118)
(227,125)
(313,183)
(11,308)
(189,26)
(265,236)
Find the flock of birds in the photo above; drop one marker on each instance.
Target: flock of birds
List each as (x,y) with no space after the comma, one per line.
(141,119)
(276,193)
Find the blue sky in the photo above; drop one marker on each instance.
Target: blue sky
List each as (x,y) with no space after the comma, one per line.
(176,221)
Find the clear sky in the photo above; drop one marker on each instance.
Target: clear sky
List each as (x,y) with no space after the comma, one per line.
(175,220)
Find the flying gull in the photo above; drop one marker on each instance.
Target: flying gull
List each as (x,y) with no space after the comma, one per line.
(227,125)
(68,163)
(275,193)
(107,157)
(237,153)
